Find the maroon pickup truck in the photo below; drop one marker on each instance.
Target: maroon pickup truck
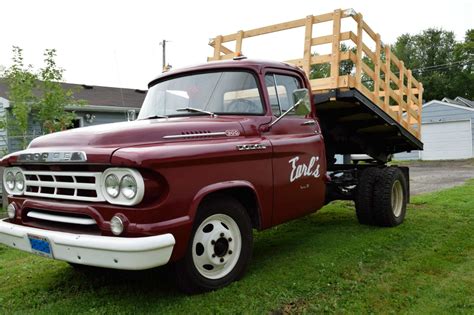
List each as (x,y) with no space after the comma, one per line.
(217,150)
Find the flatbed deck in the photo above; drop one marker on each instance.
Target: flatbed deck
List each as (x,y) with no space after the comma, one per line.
(373,106)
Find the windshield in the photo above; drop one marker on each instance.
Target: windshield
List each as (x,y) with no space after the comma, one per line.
(230,92)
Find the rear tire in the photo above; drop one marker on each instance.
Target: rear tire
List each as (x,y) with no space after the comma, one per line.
(220,247)
(390,197)
(364,202)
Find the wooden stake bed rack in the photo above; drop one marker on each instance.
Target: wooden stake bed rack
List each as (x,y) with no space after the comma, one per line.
(378,75)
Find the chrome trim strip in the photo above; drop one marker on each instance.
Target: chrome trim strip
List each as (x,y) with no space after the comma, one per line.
(53,157)
(60,218)
(247,147)
(196,135)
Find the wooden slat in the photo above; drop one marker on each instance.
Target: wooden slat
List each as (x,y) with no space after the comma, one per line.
(367,70)
(401,101)
(413,91)
(377,61)
(238,43)
(395,60)
(369,31)
(307,44)
(358,71)
(336,32)
(275,28)
(326,83)
(420,102)
(368,52)
(217,47)
(387,87)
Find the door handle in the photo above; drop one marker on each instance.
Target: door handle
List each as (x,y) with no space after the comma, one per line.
(308,123)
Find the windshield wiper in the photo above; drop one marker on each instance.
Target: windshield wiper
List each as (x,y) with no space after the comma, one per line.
(156,116)
(195,110)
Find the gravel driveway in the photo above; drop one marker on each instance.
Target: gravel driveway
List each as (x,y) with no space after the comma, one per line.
(428,176)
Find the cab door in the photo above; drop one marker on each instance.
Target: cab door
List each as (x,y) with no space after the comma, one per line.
(298,157)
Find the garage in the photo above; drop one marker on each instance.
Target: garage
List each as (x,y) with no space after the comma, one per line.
(447,140)
(447,131)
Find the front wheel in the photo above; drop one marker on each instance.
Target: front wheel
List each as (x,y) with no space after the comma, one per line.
(220,248)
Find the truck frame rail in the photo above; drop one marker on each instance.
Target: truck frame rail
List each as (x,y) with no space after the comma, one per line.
(376,73)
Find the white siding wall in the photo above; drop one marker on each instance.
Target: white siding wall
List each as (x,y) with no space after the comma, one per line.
(437,111)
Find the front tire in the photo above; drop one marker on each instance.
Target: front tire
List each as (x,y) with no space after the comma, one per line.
(220,247)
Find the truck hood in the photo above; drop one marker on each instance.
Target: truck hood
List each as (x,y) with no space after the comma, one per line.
(99,142)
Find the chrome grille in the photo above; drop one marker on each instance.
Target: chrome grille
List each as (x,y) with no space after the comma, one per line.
(82,186)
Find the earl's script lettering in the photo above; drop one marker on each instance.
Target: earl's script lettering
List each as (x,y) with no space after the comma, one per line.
(302,169)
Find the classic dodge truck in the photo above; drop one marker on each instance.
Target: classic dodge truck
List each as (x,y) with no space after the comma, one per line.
(217,150)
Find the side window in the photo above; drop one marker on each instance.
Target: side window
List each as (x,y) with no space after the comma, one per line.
(280,90)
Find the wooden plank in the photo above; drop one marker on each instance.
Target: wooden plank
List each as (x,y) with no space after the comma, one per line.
(275,28)
(322,18)
(387,87)
(378,45)
(400,95)
(326,83)
(217,47)
(396,61)
(321,40)
(367,70)
(369,31)
(420,102)
(368,52)
(226,50)
(238,43)
(358,65)
(336,32)
(307,44)
(413,91)
(353,37)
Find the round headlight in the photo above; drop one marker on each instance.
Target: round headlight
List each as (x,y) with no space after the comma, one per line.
(11,210)
(19,181)
(10,181)
(116,225)
(112,185)
(128,187)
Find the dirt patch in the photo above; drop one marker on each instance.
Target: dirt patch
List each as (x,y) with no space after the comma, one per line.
(428,176)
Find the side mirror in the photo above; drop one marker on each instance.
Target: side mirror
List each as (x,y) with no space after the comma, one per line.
(302,102)
(302,105)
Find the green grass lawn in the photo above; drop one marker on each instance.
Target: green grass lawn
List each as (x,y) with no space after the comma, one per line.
(325,262)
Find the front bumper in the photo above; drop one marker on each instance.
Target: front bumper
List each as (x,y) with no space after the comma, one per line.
(100,251)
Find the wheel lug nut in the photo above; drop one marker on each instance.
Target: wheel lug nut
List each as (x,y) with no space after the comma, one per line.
(230,252)
(213,242)
(222,259)
(222,234)
(230,239)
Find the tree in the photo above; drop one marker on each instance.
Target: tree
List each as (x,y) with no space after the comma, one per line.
(39,95)
(50,110)
(443,65)
(21,81)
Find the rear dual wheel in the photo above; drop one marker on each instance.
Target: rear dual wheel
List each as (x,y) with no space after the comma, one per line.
(381,197)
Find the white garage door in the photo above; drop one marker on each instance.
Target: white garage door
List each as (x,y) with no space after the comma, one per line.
(447,140)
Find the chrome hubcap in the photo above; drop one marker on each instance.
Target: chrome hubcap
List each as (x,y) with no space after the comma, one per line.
(216,246)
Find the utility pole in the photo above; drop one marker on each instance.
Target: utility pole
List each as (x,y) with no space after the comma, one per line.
(163,44)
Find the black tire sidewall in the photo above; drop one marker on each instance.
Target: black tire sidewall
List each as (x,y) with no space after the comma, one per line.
(382,197)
